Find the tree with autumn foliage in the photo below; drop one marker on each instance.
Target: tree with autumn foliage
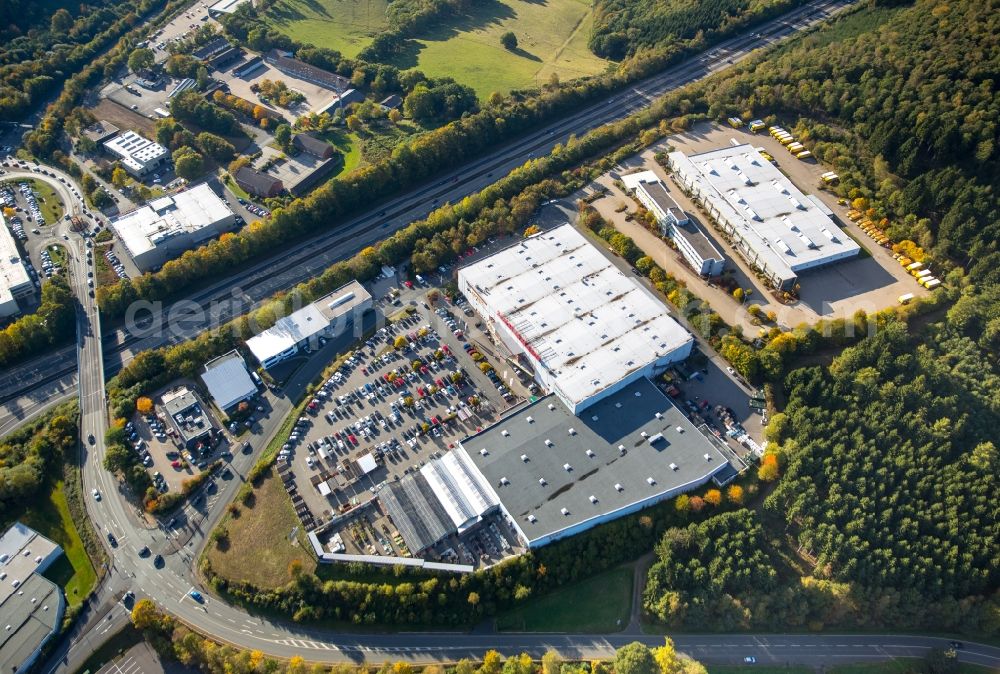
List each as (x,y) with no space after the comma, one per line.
(713,497)
(768,471)
(735,494)
(144,405)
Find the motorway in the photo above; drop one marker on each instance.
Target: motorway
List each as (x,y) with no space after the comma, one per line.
(180,543)
(27,389)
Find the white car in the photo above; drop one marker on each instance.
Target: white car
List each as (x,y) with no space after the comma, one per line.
(750,659)
(97,495)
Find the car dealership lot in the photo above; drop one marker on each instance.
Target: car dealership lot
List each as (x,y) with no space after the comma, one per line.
(401,406)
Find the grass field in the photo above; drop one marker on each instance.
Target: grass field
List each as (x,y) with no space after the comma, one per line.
(552,38)
(593,605)
(49,515)
(349,144)
(269,517)
(344,25)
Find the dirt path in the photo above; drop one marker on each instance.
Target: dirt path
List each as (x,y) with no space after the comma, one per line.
(559,52)
(640,572)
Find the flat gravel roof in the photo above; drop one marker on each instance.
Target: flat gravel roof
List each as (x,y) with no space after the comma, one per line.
(630,449)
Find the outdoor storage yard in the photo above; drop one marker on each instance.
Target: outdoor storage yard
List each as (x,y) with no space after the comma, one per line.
(869,282)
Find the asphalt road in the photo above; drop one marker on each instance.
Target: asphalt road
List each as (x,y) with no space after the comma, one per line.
(180,543)
(27,389)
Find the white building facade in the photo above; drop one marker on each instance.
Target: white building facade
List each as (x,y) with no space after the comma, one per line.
(326,318)
(166,227)
(771,223)
(697,249)
(139,156)
(585,328)
(15,283)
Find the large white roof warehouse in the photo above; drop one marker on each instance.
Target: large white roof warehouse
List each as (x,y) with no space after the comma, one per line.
(166,227)
(773,224)
(585,327)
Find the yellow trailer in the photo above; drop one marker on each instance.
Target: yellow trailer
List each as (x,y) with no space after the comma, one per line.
(914,266)
(805,154)
(931,284)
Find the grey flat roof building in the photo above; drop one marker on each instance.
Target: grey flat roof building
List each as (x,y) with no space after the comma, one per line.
(556,474)
(228,381)
(31,605)
(187,415)
(697,240)
(414,508)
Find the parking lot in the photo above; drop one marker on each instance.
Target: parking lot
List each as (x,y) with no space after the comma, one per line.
(155,438)
(397,406)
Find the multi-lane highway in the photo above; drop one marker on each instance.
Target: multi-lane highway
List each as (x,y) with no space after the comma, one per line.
(26,389)
(179,543)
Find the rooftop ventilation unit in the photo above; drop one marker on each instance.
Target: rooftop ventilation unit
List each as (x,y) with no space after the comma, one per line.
(542,481)
(650,481)
(621,449)
(548,443)
(593,499)
(655,438)
(530,420)
(708,457)
(504,481)
(532,519)
(567,467)
(590,453)
(505,433)
(619,487)
(524,457)
(564,511)
(483,452)
(571,431)
(644,434)
(673,466)
(658,415)
(680,429)
(551,406)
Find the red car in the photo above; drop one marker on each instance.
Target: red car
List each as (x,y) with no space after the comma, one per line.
(444,347)
(408,284)
(354,440)
(421,392)
(364,370)
(423,369)
(439,381)
(175,464)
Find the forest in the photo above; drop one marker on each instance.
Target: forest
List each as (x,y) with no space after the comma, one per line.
(31,454)
(903,104)
(41,48)
(886,510)
(624,27)
(51,324)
